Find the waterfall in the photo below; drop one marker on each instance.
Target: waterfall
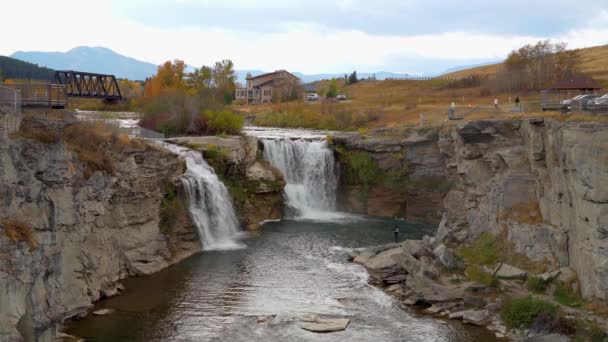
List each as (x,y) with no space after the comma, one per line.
(210,205)
(310,172)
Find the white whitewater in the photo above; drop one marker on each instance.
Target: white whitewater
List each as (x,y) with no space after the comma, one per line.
(210,205)
(310,172)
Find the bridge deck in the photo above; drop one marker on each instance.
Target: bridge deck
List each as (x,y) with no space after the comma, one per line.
(41,95)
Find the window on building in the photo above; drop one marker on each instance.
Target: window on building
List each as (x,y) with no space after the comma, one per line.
(267,92)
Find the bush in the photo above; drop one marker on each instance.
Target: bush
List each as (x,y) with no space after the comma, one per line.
(482,252)
(536,284)
(220,122)
(475,273)
(522,312)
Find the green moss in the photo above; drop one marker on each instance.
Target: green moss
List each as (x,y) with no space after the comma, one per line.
(521,312)
(171,207)
(361,169)
(484,251)
(566,296)
(476,274)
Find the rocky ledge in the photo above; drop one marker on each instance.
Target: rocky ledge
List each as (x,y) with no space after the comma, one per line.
(255,185)
(432,277)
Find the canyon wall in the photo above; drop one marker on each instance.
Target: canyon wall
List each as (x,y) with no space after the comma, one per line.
(68,235)
(542,185)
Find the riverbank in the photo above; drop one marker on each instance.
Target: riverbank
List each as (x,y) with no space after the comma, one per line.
(510,302)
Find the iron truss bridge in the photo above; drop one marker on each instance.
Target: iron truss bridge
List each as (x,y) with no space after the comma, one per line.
(90,85)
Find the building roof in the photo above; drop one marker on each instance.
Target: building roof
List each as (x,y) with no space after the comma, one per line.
(578,82)
(271,73)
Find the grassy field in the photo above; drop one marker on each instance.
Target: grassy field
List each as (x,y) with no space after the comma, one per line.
(594,62)
(375,104)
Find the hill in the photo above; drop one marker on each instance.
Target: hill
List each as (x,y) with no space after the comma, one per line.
(593,61)
(91,59)
(16,69)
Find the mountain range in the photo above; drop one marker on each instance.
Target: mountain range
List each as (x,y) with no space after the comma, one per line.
(106,61)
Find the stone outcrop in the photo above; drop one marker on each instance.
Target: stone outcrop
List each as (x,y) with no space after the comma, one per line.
(411,178)
(539,184)
(80,235)
(542,183)
(255,185)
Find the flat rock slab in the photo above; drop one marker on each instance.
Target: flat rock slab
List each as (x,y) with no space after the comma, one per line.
(477,317)
(325,325)
(510,272)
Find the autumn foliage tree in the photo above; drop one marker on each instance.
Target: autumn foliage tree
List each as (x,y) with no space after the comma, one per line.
(534,67)
(177,102)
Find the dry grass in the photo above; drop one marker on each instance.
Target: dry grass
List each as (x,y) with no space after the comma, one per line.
(93,145)
(19,231)
(511,257)
(39,134)
(592,62)
(528,213)
(597,306)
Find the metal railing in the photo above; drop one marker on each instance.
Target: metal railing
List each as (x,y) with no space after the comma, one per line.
(10,100)
(47,95)
(10,113)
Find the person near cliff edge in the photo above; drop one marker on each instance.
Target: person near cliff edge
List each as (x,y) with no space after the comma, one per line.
(396,233)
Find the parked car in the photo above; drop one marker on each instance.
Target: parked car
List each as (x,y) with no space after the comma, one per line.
(341,97)
(578,100)
(597,100)
(312,97)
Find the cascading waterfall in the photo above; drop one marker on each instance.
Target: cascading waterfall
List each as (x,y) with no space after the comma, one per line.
(310,172)
(210,205)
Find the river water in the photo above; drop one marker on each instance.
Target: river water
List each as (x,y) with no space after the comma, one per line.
(290,269)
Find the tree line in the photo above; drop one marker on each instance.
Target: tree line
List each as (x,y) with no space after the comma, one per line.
(536,66)
(178,102)
(15,69)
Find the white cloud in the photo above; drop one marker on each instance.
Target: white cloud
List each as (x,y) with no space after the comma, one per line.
(304,47)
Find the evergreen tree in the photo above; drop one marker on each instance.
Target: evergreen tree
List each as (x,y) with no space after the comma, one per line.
(352,79)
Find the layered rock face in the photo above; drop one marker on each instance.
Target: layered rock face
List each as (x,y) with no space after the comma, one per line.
(86,233)
(409,178)
(542,183)
(255,185)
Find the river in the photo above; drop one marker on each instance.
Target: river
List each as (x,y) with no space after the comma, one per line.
(289,269)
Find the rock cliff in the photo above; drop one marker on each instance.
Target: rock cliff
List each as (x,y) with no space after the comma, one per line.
(542,185)
(74,221)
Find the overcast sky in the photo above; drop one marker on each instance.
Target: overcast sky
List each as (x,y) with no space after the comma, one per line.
(312,36)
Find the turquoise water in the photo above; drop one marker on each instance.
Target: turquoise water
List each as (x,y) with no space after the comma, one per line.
(290,269)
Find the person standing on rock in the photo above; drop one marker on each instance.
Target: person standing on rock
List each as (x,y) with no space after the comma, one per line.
(396,233)
(496,104)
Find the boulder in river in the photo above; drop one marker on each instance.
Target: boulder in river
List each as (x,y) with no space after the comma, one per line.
(326,324)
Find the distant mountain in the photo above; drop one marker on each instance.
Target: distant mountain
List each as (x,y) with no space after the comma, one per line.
(16,69)
(91,59)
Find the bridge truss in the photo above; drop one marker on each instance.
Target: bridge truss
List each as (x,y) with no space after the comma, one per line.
(86,84)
